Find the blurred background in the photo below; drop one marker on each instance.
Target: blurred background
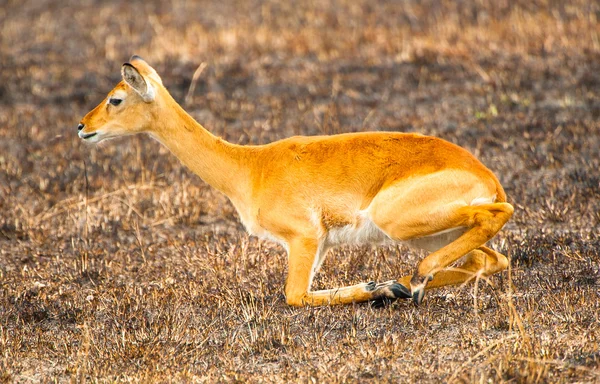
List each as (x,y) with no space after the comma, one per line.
(515,82)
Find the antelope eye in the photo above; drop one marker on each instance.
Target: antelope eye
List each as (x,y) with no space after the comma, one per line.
(114,102)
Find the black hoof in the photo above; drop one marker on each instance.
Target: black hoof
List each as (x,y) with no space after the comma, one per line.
(417,286)
(389,292)
(381,302)
(418,295)
(400,291)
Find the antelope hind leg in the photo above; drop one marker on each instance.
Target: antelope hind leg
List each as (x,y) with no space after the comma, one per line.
(483,222)
(481,260)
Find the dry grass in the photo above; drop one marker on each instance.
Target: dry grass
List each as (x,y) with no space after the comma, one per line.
(117,264)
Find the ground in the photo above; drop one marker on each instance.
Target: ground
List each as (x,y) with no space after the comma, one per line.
(118,264)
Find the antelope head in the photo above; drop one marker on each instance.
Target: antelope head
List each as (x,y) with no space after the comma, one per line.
(129,108)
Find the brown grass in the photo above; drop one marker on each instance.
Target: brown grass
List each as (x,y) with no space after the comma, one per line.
(117,264)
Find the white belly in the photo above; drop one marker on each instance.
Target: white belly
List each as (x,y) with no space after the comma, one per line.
(364,233)
(369,233)
(438,240)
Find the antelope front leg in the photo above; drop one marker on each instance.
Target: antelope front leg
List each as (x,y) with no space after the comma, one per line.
(301,260)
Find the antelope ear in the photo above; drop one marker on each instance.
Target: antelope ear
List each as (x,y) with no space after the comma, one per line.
(145,69)
(136,81)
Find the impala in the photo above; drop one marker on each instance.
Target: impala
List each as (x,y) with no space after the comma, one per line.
(314,193)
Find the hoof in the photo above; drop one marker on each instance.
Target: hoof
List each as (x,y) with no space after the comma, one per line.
(417,287)
(388,292)
(418,295)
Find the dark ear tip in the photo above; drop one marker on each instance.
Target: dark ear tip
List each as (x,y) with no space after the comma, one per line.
(135,57)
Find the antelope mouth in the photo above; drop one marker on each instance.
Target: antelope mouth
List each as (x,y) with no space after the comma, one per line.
(86,136)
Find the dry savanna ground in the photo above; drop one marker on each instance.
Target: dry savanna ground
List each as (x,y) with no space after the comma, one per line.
(118,264)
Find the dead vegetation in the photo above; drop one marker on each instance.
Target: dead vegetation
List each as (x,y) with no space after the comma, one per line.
(117,264)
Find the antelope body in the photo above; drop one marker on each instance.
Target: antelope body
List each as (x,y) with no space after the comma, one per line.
(314,193)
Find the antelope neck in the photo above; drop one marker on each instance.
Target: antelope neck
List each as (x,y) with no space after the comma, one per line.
(218,162)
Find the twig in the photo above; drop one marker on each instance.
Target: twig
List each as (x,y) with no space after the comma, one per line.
(87,192)
(190,93)
(47,214)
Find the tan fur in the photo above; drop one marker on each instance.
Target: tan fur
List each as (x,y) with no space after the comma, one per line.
(302,191)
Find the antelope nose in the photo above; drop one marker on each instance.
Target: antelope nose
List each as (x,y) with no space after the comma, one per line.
(80,127)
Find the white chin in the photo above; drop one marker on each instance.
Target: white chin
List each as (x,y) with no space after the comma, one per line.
(91,137)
